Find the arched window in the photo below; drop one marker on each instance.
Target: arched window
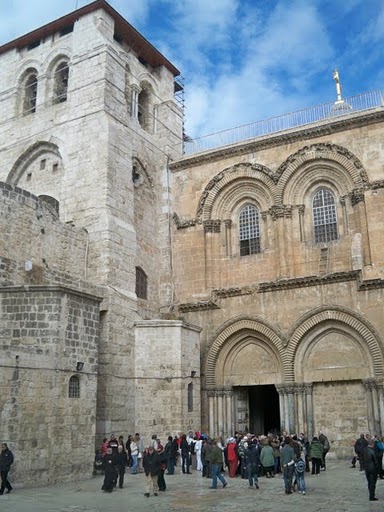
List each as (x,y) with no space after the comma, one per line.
(74,387)
(30,92)
(145,108)
(141,283)
(60,87)
(324,216)
(249,230)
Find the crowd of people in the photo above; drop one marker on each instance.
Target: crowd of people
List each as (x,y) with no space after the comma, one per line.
(244,455)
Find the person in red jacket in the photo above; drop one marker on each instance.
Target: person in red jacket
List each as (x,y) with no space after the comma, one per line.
(232,457)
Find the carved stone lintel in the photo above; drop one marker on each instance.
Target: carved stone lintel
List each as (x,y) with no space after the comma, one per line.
(212,226)
(357,196)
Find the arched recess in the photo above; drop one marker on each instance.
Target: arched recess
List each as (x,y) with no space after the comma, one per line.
(348,166)
(239,334)
(223,187)
(35,152)
(353,332)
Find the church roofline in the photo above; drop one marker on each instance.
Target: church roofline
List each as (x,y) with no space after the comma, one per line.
(123,29)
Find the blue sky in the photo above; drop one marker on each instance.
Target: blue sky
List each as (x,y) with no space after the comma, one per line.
(244,60)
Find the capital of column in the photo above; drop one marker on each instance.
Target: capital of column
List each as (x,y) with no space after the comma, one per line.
(308,388)
(220,392)
(370,384)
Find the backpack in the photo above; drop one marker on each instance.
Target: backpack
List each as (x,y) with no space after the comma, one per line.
(326,444)
(300,466)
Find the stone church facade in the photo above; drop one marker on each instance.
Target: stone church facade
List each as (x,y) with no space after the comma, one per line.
(143,290)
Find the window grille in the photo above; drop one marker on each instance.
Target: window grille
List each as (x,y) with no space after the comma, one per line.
(249,231)
(74,387)
(324,216)
(141,283)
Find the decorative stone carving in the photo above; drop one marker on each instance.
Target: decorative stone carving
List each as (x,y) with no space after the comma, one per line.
(180,224)
(308,388)
(224,293)
(228,223)
(197,306)
(357,196)
(301,282)
(279,211)
(300,208)
(212,226)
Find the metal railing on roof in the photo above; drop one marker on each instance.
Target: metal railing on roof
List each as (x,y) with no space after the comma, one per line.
(346,107)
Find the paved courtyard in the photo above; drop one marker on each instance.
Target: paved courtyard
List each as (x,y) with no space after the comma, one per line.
(339,489)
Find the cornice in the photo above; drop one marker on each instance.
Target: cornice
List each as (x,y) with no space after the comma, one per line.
(197,306)
(225,293)
(303,133)
(302,282)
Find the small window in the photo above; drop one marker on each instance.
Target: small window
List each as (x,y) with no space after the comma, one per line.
(190,397)
(42,164)
(249,230)
(324,216)
(61,83)
(30,94)
(55,167)
(141,283)
(29,176)
(74,387)
(66,30)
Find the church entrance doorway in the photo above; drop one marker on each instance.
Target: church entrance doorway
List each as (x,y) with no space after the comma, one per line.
(258,409)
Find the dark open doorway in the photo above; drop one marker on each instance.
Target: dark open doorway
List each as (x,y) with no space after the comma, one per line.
(264,410)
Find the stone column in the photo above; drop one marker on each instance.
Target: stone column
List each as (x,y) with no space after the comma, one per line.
(368,384)
(228,242)
(376,407)
(211,417)
(308,392)
(229,412)
(280,389)
(290,390)
(135,102)
(380,397)
(299,392)
(220,413)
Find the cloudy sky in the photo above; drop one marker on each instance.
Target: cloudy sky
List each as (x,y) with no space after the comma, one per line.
(244,60)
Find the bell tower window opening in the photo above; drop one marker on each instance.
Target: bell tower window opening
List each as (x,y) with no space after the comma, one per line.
(324,216)
(61,82)
(30,94)
(249,230)
(144,109)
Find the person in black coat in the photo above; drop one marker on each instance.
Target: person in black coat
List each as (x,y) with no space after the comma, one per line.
(110,473)
(185,460)
(6,461)
(121,463)
(151,465)
(370,465)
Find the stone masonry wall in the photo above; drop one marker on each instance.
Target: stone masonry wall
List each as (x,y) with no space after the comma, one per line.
(45,332)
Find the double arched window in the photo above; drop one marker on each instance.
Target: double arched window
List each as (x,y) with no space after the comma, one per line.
(249,230)
(324,216)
